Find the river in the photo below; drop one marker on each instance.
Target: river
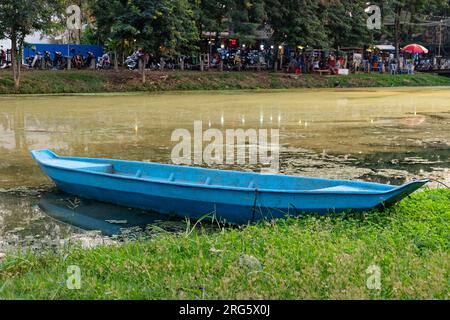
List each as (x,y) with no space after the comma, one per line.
(383,135)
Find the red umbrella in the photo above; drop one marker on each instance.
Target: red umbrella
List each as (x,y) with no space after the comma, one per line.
(415,48)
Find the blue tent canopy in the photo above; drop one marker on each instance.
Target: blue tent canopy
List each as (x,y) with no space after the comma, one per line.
(66,49)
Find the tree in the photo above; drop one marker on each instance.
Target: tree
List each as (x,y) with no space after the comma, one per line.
(77,35)
(165,27)
(246,17)
(345,23)
(240,18)
(406,13)
(155,26)
(19,18)
(212,15)
(297,22)
(114,24)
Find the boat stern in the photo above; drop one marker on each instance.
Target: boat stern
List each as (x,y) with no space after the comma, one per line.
(43,154)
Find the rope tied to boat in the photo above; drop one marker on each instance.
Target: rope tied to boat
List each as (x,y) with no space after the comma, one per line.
(254,205)
(440,182)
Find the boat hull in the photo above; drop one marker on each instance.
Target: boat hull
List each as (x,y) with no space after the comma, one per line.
(227,205)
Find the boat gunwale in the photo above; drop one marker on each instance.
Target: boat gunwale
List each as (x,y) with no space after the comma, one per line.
(222,187)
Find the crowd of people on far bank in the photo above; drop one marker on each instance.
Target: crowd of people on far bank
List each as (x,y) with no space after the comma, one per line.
(3,57)
(316,61)
(346,62)
(297,61)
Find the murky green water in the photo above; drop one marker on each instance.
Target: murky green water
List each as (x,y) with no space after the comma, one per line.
(385,135)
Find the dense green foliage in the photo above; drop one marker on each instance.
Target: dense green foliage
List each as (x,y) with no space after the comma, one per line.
(166,25)
(175,26)
(308,258)
(18,18)
(171,24)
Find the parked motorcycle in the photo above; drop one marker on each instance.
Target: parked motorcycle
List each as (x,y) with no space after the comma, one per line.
(47,62)
(153,63)
(169,63)
(77,61)
(132,62)
(36,61)
(104,62)
(59,61)
(251,59)
(88,62)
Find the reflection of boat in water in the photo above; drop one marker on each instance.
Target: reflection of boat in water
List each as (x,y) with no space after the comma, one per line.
(93,215)
(237,197)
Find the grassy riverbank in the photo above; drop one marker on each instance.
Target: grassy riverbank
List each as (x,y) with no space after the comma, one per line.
(307,258)
(76,81)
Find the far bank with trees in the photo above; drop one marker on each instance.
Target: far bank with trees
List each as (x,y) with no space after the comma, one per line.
(181,27)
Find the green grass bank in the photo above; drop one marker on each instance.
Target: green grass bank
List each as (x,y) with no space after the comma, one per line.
(85,81)
(307,258)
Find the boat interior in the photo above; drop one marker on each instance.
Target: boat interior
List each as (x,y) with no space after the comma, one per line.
(202,176)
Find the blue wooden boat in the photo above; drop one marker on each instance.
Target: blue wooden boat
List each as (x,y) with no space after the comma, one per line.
(235,197)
